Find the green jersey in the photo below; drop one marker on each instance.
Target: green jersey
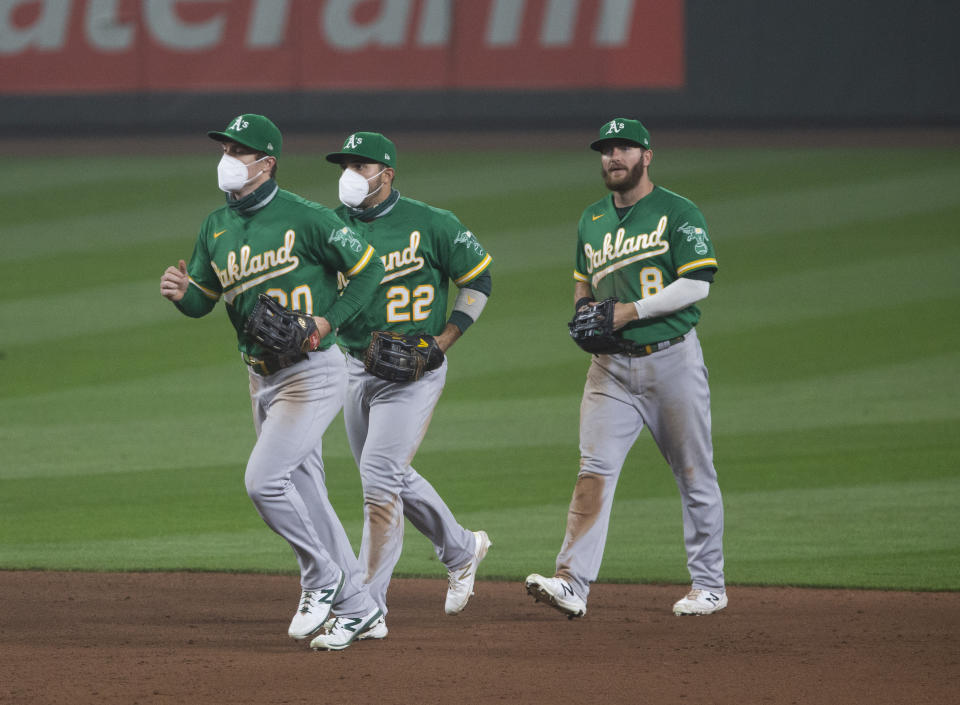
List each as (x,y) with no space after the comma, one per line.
(422,249)
(660,238)
(279,244)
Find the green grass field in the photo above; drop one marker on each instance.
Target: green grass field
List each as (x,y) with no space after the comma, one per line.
(831,335)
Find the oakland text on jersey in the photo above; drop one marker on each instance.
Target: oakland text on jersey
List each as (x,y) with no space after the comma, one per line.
(246,265)
(645,245)
(407,258)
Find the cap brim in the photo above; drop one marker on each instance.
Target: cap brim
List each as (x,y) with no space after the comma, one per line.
(224,137)
(341,157)
(597,143)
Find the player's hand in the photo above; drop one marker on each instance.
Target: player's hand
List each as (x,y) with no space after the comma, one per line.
(448,337)
(174,282)
(323,326)
(623,314)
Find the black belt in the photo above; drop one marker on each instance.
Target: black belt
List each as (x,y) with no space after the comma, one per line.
(268,363)
(637,350)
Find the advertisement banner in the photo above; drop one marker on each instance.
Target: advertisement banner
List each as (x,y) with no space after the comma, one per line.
(66,47)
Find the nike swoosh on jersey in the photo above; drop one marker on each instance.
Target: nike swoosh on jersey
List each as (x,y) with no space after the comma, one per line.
(216,235)
(598,217)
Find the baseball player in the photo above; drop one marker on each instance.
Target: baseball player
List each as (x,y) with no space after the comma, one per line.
(422,249)
(267,240)
(648,249)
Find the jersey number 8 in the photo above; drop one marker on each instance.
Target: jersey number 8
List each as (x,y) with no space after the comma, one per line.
(399,306)
(651,281)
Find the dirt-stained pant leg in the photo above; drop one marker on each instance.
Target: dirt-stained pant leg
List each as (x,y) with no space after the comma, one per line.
(609,426)
(386,423)
(676,407)
(291,411)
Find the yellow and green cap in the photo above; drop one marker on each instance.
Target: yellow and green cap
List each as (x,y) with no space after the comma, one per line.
(368,145)
(254,131)
(622,129)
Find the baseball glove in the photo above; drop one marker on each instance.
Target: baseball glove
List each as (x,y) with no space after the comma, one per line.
(280,330)
(401,358)
(592,329)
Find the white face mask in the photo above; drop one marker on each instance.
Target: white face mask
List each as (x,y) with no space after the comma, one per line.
(354,188)
(232,173)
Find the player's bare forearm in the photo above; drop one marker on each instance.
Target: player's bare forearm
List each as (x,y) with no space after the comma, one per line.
(448,337)
(581,290)
(323,326)
(623,314)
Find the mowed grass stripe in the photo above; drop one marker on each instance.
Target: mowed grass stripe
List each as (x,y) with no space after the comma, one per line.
(52,274)
(846,288)
(792,210)
(841,455)
(831,527)
(147,221)
(878,394)
(91,311)
(114,356)
(832,534)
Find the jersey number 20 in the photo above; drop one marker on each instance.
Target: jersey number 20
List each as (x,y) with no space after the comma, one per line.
(399,307)
(299,299)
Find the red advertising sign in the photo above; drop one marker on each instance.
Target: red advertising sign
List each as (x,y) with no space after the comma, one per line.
(108,46)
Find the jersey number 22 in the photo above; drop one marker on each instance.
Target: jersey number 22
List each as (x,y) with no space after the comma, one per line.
(399,307)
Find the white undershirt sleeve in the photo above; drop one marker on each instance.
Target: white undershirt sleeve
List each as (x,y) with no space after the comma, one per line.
(673,297)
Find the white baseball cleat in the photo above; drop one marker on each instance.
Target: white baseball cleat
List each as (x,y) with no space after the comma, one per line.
(377,631)
(557,593)
(699,602)
(346,630)
(460,581)
(315,606)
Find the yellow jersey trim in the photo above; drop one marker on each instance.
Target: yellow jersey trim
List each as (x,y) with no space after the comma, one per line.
(475,272)
(210,294)
(580,277)
(697,264)
(358,267)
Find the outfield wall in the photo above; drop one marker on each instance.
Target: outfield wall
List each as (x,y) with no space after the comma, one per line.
(79,66)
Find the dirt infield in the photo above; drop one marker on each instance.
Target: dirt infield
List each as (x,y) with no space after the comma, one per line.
(78,638)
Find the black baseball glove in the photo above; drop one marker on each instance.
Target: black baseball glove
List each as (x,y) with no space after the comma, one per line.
(280,330)
(592,328)
(396,357)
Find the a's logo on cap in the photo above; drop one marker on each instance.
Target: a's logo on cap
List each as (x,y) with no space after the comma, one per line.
(614,127)
(353,142)
(386,156)
(238,124)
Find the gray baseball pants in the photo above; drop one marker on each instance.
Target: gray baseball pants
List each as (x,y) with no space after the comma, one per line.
(668,392)
(285,478)
(386,422)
